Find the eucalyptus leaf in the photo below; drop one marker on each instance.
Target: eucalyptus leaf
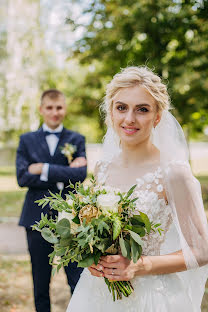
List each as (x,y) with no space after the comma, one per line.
(86,262)
(63,228)
(60,252)
(48,235)
(64,242)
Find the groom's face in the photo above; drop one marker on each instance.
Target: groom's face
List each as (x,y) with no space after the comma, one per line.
(53,111)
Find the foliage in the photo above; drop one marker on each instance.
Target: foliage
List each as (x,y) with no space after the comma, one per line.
(168,36)
(93,222)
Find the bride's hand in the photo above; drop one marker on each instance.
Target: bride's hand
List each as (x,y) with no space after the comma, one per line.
(119,268)
(96,270)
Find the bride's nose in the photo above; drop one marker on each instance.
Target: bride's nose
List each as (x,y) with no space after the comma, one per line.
(130,117)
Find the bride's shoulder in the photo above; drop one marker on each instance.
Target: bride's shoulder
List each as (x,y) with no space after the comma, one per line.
(178,169)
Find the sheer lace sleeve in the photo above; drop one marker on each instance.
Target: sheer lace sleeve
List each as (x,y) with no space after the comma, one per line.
(100,171)
(184,196)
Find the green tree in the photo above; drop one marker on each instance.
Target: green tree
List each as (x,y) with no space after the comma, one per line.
(168,36)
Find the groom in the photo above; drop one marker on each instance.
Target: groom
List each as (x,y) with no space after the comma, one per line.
(42,167)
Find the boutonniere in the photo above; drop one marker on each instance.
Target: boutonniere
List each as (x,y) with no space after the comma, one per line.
(68,150)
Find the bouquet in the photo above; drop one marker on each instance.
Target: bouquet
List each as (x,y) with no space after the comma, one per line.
(94,221)
(68,150)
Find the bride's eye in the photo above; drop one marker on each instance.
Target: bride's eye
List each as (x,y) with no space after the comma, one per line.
(121,107)
(143,109)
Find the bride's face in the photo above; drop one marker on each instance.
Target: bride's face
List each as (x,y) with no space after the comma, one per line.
(134,114)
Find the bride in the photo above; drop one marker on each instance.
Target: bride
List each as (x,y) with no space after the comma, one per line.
(144,145)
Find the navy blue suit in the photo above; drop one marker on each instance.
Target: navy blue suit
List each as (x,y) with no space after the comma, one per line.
(33,148)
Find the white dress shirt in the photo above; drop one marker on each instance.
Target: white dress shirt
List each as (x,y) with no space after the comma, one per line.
(52,141)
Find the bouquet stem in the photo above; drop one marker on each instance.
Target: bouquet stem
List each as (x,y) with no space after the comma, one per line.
(118,288)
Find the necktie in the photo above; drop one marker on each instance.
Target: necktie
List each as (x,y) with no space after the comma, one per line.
(49,133)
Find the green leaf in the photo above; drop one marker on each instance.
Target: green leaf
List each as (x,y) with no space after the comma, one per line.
(60,252)
(48,235)
(131,190)
(76,220)
(125,247)
(117,226)
(102,225)
(136,238)
(103,244)
(96,257)
(134,250)
(86,262)
(138,229)
(156,225)
(59,267)
(53,271)
(51,257)
(137,220)
(64,242)
(128,247)
(63,228)
(146,221)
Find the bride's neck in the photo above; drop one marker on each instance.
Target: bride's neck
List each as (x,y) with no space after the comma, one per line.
(142,153)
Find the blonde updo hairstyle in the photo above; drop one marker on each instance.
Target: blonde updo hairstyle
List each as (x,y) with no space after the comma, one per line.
(130,77)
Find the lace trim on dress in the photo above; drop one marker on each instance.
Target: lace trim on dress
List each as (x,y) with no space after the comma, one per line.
(150,193)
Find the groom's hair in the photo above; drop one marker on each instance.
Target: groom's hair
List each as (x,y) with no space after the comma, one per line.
(53,94)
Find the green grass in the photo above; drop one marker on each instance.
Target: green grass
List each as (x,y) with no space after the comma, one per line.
(11,203)
(7,171)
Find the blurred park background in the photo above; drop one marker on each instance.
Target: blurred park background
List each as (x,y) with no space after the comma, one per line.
(77,46)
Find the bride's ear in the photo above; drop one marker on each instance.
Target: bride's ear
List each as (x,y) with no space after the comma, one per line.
(157,118)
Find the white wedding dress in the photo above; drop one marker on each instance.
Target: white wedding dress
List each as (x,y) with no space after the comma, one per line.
(159,293)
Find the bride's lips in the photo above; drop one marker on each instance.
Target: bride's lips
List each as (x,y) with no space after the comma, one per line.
(130,130)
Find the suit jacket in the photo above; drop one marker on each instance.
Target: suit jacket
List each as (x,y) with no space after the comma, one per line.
(33,148)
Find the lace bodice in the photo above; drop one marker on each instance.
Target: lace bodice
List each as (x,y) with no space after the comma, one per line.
(151,200)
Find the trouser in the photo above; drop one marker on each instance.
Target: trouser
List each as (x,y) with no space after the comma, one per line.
(39,250)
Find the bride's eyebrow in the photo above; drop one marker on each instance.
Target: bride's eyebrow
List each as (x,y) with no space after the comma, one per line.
(137,105)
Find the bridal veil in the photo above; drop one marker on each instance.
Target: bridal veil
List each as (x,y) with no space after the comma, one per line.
(189,232)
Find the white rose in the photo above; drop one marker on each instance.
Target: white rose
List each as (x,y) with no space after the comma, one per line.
(108,202)
(65,215)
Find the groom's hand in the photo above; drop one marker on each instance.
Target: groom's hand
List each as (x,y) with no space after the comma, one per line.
(35,168)
(78,162)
